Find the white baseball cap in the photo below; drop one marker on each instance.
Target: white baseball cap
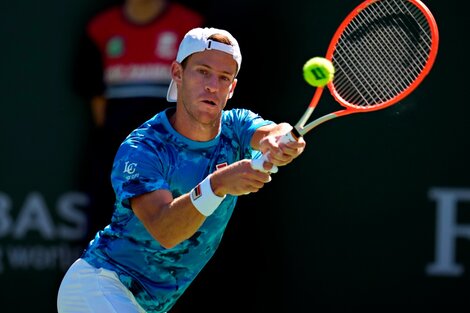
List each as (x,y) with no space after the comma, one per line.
(197,40)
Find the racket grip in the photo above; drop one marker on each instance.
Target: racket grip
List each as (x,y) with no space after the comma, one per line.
(257,164)
(289,137)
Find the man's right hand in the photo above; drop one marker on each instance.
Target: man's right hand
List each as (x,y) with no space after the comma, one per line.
(237,179)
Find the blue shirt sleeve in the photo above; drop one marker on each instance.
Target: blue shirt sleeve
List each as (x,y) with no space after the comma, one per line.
(137,170)
(243,123)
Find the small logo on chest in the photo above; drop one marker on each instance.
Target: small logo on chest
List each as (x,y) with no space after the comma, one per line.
(221,165)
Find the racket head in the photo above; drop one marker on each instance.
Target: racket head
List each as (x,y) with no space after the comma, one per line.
(381,52)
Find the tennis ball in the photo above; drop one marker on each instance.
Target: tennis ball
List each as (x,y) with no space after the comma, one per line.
(318,71)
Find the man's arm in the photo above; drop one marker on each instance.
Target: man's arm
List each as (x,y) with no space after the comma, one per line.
(171,221)
(168,220)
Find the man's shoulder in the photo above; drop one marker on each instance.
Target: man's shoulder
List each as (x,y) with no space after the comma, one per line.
(238,114)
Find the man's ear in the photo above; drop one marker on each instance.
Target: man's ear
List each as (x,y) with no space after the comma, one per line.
(176,71)
(232,88)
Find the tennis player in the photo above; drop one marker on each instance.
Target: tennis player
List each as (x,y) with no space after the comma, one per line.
(176,179)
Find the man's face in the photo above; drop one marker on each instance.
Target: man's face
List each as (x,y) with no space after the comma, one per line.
(206,84)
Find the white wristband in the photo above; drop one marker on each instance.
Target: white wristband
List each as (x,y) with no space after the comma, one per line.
(204,199)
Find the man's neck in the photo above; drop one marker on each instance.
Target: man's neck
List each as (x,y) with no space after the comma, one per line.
(192,130)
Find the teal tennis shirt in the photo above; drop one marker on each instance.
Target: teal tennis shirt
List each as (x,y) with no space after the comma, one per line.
(153,157)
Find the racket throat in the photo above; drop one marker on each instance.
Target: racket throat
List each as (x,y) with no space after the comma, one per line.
(295,134)
(303,130)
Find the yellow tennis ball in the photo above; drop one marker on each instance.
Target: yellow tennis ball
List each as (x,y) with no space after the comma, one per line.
(318,71)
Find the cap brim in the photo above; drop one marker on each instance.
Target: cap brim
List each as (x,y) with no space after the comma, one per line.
(172,92)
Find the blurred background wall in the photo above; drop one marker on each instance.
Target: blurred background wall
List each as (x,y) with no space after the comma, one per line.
(375,215)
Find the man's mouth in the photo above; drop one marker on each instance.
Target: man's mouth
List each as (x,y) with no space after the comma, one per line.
(210,102)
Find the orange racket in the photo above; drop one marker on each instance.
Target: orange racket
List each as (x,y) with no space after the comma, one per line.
(381,52)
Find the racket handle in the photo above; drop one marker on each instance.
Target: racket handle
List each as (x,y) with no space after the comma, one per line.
(257,164)
(289,137)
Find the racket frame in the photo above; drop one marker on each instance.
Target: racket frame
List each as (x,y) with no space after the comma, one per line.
(301,128)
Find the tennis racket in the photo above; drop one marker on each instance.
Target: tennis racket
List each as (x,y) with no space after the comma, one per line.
(381,52)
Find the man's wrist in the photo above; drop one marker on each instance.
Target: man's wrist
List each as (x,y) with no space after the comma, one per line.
(204,199)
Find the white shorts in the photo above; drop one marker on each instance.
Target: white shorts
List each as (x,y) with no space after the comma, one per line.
(85,288)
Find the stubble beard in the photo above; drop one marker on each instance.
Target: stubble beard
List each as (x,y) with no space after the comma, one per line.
(196,121)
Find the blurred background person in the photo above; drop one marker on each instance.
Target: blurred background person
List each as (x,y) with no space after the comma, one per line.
(123,71)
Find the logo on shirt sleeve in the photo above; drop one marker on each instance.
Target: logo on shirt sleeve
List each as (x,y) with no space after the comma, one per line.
(130,168)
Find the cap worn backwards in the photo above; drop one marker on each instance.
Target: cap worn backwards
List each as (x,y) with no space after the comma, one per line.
(197,40)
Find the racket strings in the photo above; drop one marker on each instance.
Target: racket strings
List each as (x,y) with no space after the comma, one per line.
(389,55)
(381,52)
(415,27)
(370,78)
(371,49)
(384,66)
